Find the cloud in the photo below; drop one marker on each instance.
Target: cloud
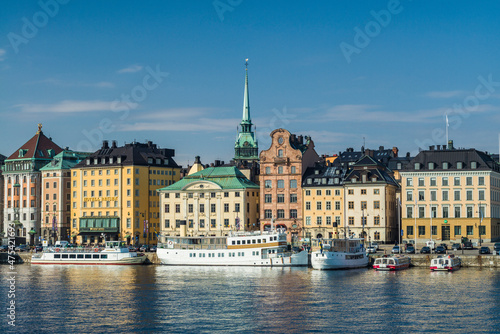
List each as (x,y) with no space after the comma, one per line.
(2,54)
(58,82)
(130,69)
(67,106)
(445,94)
(181,119)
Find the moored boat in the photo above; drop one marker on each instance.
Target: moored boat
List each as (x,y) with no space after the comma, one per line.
(115,253)
(392,263)
(238,249)
(339,254)
(446,263)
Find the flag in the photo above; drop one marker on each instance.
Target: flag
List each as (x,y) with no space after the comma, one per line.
(447,123)
(237,224)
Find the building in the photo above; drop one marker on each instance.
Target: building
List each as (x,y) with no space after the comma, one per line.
(2,159)
(282,166)
(56,196)
(22,186)
(451,193)
(211,202)
(323,201)
(114,193)
(371,209)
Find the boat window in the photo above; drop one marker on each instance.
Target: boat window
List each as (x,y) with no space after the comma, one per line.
(72,256)
(259,241)
(104,256)
(64,256)
(242,242)
(95,256)
(79,256)
(238,242)
(263,241)
(249,242)
(234,243)
(57,256)
(88,256)
(254,241)
(391,261)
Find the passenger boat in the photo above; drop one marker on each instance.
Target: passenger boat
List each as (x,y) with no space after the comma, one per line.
(268,248)
(391,263)
(345,253)
(115,253)
(447,263)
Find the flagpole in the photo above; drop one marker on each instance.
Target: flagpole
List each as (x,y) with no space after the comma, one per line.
(447,125)
(399,220)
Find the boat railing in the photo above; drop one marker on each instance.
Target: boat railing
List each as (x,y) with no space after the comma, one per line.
(192,246)
(72,250)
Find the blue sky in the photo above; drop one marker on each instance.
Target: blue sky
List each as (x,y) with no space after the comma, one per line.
(173,72)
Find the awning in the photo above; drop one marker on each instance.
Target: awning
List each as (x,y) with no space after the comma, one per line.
(32,232)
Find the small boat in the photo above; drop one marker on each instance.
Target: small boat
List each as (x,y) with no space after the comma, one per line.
(263,249)
(392,263)
(347,253)
(115,253)
(446,263)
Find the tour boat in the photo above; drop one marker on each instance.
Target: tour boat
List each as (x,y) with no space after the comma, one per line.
(115,253)
(391,263)
(268,248)
(339,254)
(447,263)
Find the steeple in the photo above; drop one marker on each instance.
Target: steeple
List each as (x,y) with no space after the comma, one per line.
(246,146)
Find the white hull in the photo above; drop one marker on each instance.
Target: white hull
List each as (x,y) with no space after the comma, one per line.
(125,261)
(449,263)
(338,260)
(228,257)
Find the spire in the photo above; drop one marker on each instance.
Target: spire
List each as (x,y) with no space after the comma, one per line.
(246,99)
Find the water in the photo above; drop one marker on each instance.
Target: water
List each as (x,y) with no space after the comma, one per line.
(153,299)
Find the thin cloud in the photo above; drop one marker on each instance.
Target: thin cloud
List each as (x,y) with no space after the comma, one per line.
(2,54)
(66,106)
(130,69)
(58,82)
(445,94)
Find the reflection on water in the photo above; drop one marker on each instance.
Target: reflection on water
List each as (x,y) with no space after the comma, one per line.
(114,299)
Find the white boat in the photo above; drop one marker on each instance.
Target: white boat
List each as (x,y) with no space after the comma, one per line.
(115,253)
(238,249)
(339,254)
(392,263)
(447,263)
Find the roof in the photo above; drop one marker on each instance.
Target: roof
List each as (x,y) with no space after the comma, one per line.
(372,169)
(225,177)
(453,157)
(38,147)
(136,154)
(324,176)
(65,160)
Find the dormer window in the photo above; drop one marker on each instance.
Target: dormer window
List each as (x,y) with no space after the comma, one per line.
(417,165)
(150,161)
(96,161)
(473,164)
(398,165)
(460,165)
(336,180)
(309,181)
(103,161)
(21,153)
(88,161)
(323,180)
(445,165)
(431,165)
(316,172)
(119,160)
(158,161)
(111,160)
(374,179)
(353,180)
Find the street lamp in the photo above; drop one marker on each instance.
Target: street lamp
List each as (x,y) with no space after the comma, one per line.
(480,222)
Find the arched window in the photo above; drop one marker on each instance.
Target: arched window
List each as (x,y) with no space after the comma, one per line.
(280,153)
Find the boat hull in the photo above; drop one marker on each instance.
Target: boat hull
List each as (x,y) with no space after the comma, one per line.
(126,261)
(338,260)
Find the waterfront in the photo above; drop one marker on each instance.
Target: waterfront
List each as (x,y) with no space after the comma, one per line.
(56,299)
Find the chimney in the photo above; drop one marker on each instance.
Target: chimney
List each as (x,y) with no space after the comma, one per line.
(380,148)
(300,139)
(197,160)
(431,148)
(113,144)
(450,144)
(395,150)
(293,138)
(150,143)
(217,163)
(105,144)
(407,154)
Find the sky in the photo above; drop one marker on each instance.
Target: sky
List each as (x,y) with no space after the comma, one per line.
(345,73)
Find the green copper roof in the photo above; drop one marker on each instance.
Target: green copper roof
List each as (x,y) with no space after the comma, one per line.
(246,99)
(65,160)
(225,177)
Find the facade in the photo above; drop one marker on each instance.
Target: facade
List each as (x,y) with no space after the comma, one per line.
(56,196)
(211,202)
(282,166)
(371,209)
(2,159)
(114,193)
(451,193)
(22,186)
(323,202)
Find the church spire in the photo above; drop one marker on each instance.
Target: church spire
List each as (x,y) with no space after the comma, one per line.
(246,98)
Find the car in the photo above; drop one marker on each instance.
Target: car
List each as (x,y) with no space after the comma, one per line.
(468,245)
(144,248)
(440,250)
(425,250)
(370,250)
(374,245)
(153,249)
(445,246)
(496,248)
(395,250)
(38,248)
(456,247)
(132,249)
(22,248)
(4,248)
(484,250)
(410,249)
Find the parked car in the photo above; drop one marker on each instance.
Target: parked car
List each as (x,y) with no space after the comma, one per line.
(22,248)
(4,248)
(425,250)
(496,248)
(370,250)
(410,249)
(445,246)
(132,249)
(153,249)
(468,245)
(440,250)
(144,248)
(484,250)
(374,245)
(38,248)
(456,247)
(395,250)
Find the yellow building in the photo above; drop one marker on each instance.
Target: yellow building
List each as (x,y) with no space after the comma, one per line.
(451,193)
(211,202)
(114,193)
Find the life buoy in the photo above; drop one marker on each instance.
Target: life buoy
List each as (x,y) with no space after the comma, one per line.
(96,250)
(170,243)
(57,249)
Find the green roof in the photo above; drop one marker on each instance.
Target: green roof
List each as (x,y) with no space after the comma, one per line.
(65,160)
(225,177)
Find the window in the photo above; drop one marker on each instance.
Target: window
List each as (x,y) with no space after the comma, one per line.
(281,184)
(226,222)
(376,204)
(308,220)
(433,181)
(268,198)
(433,195)
(363,191)
(421,212)
(292,170)
(363,205)
(328,205)
(409,196)
(421,195)
(468,180)
(319,220)
(337,205)
(268,214)
(409,182)
(470,212)
(351,220)
(226,207)
(268,184)
(421,182)
(434,230)
(280,170)
(445,195)
(167,208)
(308,205)
(444,181)
(409,212)
(470,230)
(293,198)
(281,214)
(433,211)
(202,208)
(328,220)
(226,194)
(268,170)
(167,223)
(280,153)
(468,195)
(481,195)
(376,191)
(350,205)
(421,230)
(337,192)
(376,220)
(409,230)
(281,198)
(350,191)
(457,212)
(458,230)
(445,212)
(177,208)
(212,208)
(293,213)
(213,223)
(293,184)
(456,181)
(480,180)
(482,230)
(236,207)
